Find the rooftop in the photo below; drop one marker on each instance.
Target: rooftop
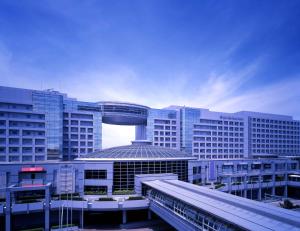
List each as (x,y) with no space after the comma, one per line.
(137,151)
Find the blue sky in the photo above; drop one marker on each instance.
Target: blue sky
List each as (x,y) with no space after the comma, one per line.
(222,55)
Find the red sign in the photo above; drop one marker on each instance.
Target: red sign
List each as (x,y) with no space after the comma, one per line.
(32,169)
(32,185)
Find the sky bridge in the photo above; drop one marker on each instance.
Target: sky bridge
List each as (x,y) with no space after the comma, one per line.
(191,207)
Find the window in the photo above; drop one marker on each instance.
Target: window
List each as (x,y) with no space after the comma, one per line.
(74,122)
(73,136)
(74,129)
(82,130)
(13,132)
(95,174)
(86,123)
(124,171)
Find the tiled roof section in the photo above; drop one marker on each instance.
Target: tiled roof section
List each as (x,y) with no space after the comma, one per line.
(138,152)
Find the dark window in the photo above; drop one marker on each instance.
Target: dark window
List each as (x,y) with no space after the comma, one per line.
(95,174)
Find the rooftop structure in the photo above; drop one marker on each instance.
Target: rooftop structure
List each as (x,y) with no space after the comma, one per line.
(122,113)
(136,152)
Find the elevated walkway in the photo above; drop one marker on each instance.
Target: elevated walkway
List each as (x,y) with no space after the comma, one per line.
(191,207)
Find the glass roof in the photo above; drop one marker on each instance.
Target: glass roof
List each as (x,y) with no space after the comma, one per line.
(138,151)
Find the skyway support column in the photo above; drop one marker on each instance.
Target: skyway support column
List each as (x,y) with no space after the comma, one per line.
(245,187)
(124,216)
(229,184)
(286,180)
(285,185)
(8,210)
(273,179)
(81,216)
(259,186)
(149,214)
(273,184)
(47,208)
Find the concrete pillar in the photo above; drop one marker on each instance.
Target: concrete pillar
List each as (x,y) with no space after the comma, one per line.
(245,193)
(124,216)
(109,190)
(273,184)
(286,179)
(140,132)
(149,214)
(81,218)
(47,209)
(245,187)
(285,191)
(229,184)
(285,184)
(8,211)
(259,187)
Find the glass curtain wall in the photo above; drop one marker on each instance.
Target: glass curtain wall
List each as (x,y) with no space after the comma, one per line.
(124,172)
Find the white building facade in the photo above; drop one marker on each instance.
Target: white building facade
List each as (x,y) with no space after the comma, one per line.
(48,125)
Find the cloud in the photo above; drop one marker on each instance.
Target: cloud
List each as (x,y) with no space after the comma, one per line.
(220,91)
(97,85)
(278,98)
(219,87)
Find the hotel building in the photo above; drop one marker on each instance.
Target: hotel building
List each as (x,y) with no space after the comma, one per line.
(48,125)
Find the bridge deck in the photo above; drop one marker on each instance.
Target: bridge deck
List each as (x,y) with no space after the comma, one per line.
(244,213)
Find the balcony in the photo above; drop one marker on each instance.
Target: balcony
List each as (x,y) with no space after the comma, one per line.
(104,205)
(132,204)
(75,204)
(22,207)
